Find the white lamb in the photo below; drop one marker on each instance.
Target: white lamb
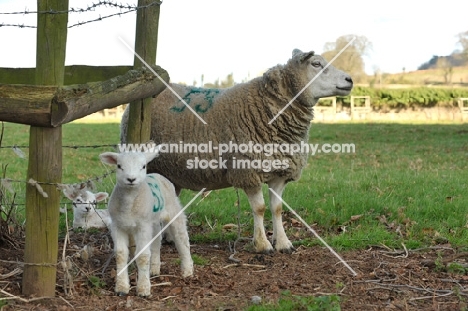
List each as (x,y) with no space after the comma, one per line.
(137,206)
(85,214)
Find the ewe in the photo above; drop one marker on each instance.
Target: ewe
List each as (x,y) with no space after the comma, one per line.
(241,115)
(85,214)
(137,205)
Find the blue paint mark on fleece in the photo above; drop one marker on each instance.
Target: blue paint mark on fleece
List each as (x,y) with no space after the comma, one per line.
(156,191)
(209,95)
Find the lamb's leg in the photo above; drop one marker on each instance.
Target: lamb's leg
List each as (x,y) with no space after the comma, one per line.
(122,283)
(155,265)
(178,231)
(142,239)
(257,203)
(280,239)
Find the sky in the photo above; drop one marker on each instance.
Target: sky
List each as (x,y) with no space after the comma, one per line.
(217,37)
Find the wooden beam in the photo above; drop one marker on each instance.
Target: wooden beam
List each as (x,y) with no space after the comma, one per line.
(52,106)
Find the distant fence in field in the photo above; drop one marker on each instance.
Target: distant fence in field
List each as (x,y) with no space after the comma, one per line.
(364,111)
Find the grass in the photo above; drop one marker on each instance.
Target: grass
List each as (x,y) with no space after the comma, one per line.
(406,183)
(289,302)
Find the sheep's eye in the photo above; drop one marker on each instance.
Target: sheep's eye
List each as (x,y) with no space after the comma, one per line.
(316,64)
(119,166)
(144,166)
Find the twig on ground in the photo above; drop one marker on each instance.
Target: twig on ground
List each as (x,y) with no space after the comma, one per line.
(11,296)
(244,265)
(168,297)
(162,284)
(12,273)
(67,302)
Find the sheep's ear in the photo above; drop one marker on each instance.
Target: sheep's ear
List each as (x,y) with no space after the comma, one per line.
(109,157)
(296,52)
(306,56)
(150,156)
(101,196)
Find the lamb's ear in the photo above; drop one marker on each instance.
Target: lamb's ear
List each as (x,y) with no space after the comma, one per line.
(69,193)
(101,196)
(109,157)
(150,156)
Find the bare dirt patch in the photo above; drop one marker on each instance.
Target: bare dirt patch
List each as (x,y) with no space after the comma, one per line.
(415,280)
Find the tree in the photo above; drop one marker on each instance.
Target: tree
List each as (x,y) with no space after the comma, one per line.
(351,59)
(463,41)
(446,66)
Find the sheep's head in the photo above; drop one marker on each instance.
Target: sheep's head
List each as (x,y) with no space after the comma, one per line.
(84,201)
(327,80)
(131,166)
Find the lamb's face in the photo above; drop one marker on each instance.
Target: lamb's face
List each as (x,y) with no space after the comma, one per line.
(131,166)
(327,80)
(131,169)
(84,203)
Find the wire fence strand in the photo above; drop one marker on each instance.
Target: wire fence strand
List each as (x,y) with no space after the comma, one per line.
(124,9)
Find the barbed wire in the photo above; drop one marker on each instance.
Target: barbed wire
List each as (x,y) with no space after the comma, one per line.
(89,183)
(129,8)
(67,146)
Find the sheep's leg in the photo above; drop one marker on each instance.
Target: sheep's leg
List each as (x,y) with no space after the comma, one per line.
(142,238)
(178,231)
(122,283)
(155,264)
(257,203)
(280,239)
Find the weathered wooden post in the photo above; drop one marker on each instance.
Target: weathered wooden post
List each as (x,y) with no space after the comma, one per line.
(146,41)
(45,158)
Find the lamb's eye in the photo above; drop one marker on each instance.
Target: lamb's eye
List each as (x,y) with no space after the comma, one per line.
(144,166)
(316,64)
(119,166)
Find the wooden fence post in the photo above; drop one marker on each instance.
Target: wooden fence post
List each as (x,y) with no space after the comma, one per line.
(146,41)
(45,159)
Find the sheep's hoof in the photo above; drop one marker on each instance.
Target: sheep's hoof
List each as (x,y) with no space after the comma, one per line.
(266,248)
(289,250)
(266,251)
(144,295)
(120,294)
(285,248)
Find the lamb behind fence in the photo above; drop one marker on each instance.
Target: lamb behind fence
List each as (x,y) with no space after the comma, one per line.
(136,211)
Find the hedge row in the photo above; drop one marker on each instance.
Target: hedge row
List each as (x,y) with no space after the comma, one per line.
(400,98)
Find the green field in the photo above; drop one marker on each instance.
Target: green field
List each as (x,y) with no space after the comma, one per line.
(406,183)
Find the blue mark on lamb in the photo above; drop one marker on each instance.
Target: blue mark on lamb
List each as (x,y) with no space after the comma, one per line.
(156,191)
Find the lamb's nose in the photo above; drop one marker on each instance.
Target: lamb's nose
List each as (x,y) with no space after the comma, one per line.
(349,79)
(131,180)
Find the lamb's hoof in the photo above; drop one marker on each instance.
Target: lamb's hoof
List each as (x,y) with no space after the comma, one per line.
(187,274)
(120,294)
(144,295)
